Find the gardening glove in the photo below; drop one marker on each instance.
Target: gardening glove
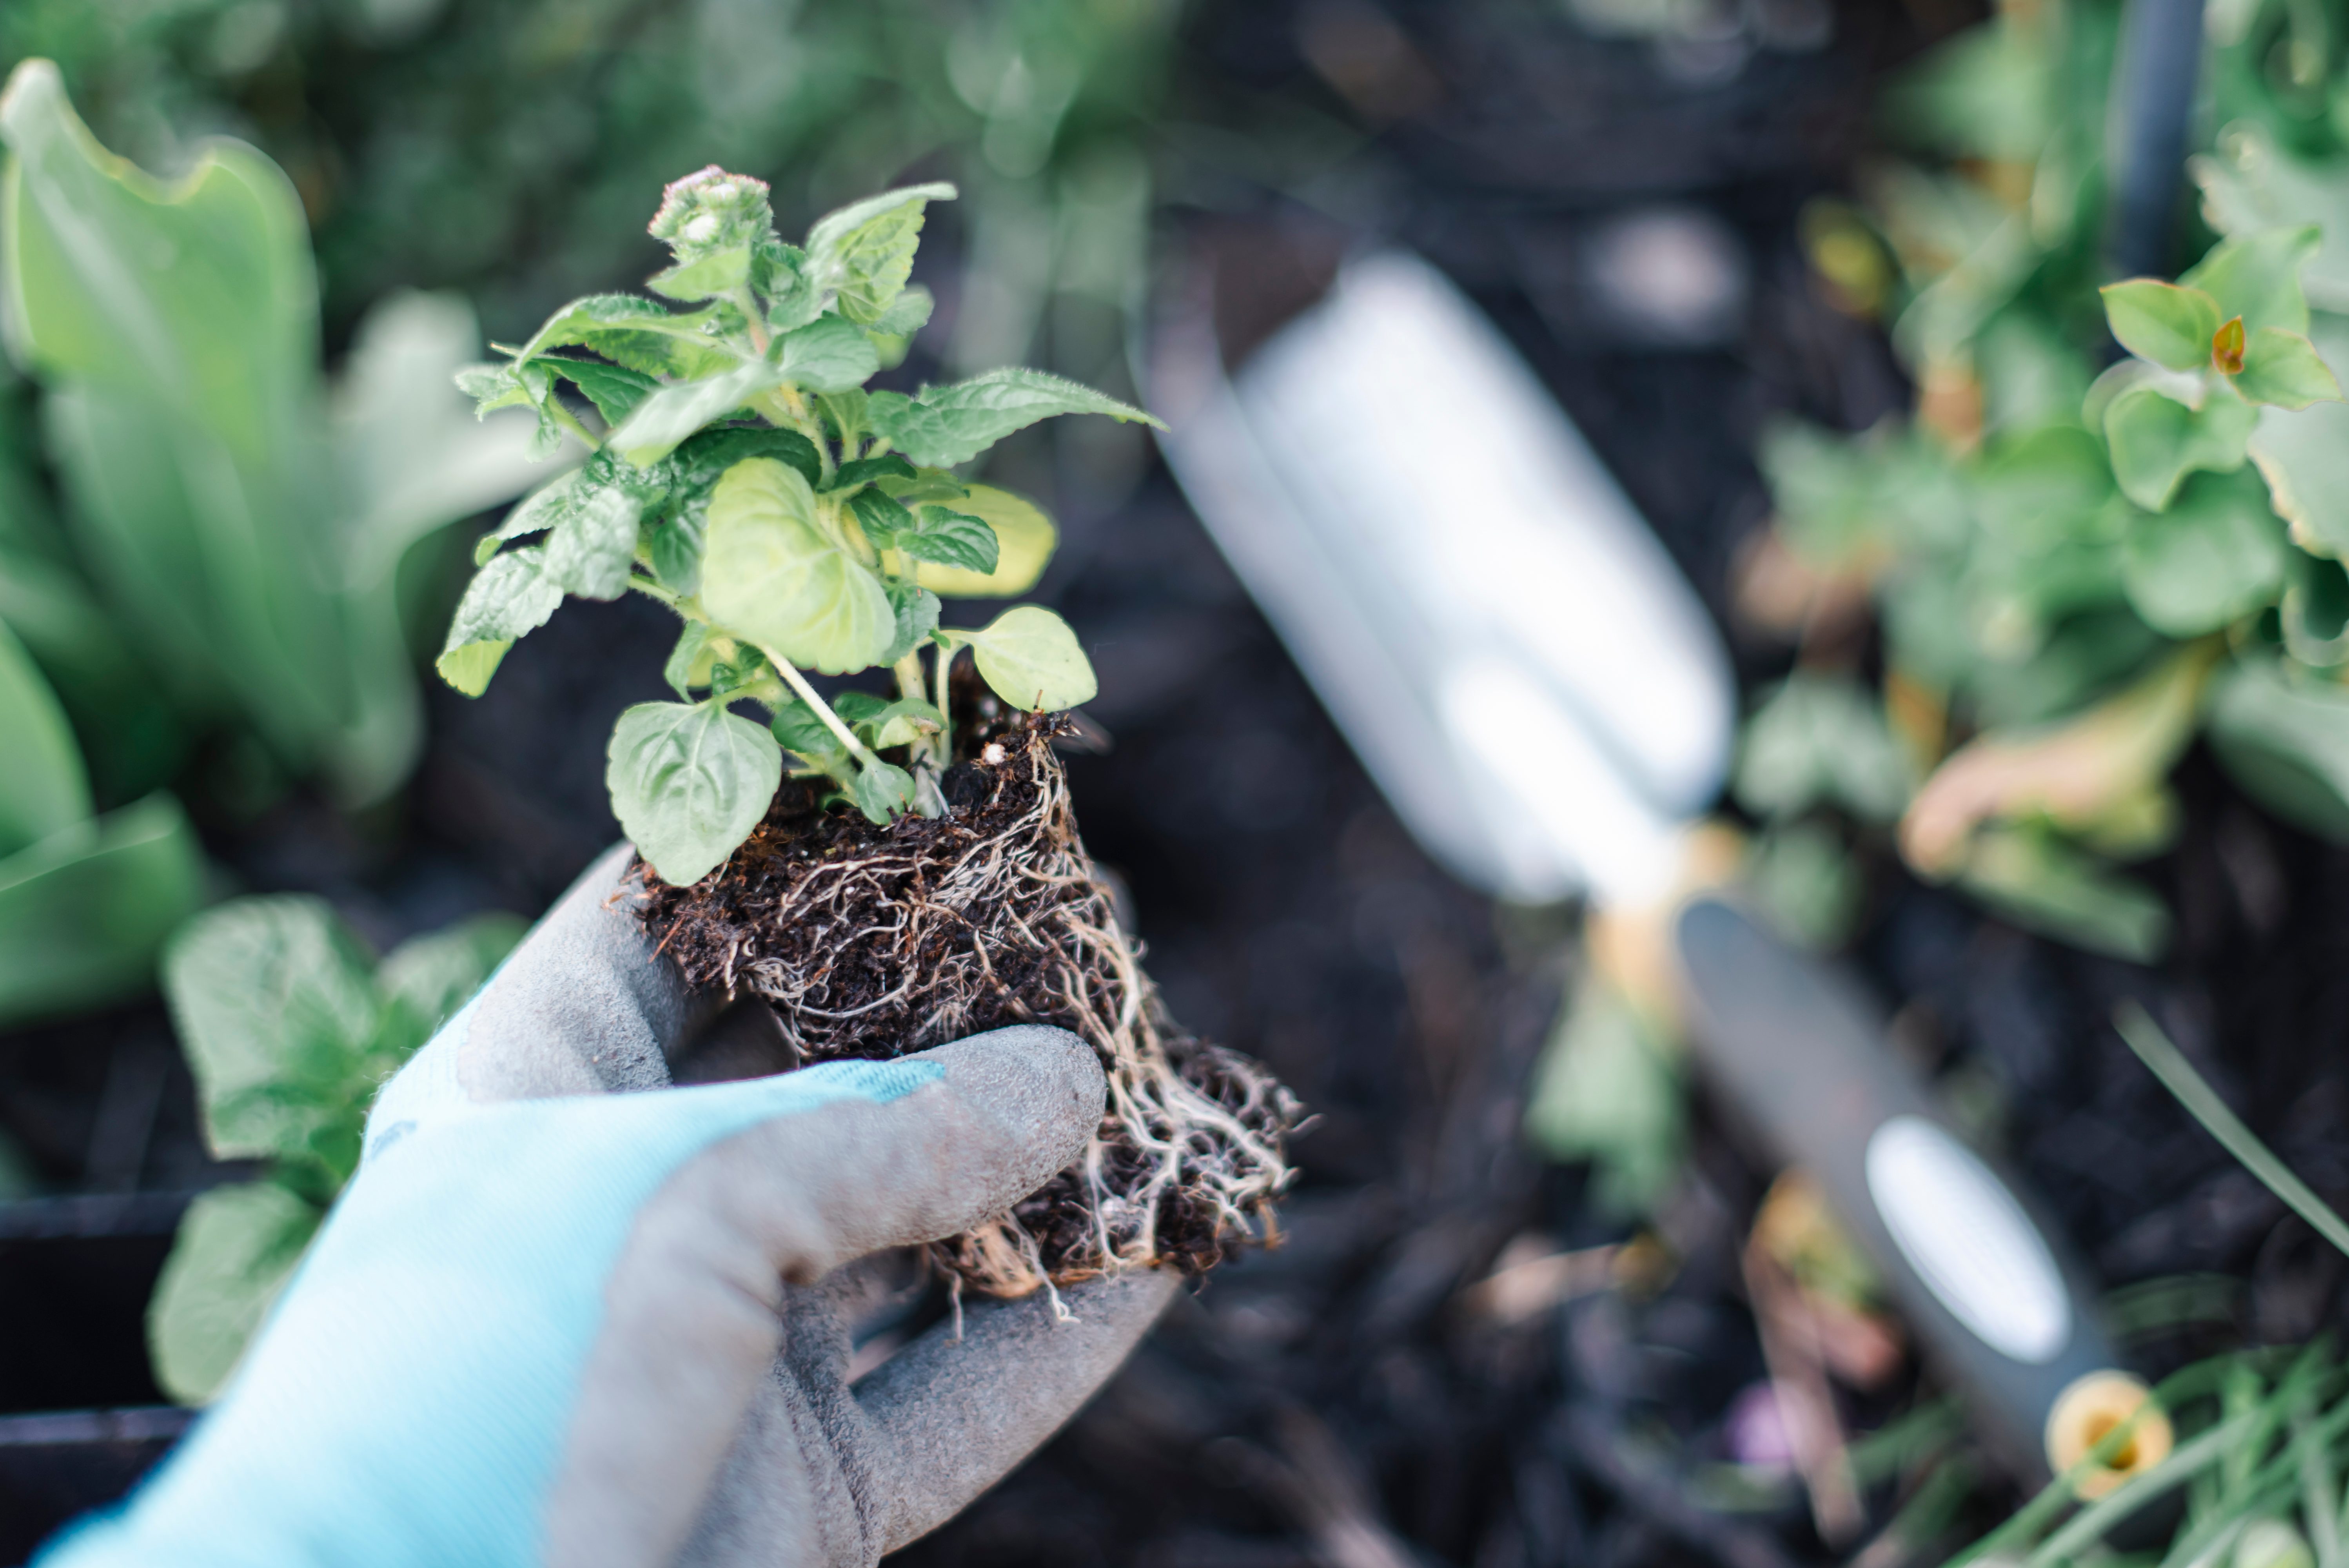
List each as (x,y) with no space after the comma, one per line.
(553,1320)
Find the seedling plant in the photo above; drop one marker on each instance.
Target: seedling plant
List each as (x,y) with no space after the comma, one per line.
(890,869)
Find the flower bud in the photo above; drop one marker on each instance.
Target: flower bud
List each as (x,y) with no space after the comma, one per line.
(710,210)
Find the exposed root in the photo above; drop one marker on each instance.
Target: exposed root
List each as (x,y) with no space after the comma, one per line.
(875,942)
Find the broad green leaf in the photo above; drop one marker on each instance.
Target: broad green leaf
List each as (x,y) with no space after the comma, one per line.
(84,911)
(849,414)
(2041,884)
(779,273)
(953,539)
(278,1012)
(642,334)
(880,518)
(495,387)
(2155,441)
(615,389)
(800,730)
(917,616)
(591,550)
(676,550)
(827,355)
(539,511)
(2257,277)
(673,413)
(43,786)
(427,978)
(237,1247)
(2304,454)
(2282,369)
(1025,539)
(863,253)
(880,723)
(1031,659)
(688,782)
(1818,739)
(508,599)
(771,575)
(2216,555)
(882,790)
(2286,742)
(2162,322)
(2043,489)
(943,426)
(2313,614)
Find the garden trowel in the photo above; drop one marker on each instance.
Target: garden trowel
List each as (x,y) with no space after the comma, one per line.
(1545,704)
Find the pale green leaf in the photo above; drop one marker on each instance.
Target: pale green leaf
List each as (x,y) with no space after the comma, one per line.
(771,575)
(429,977)
(84,911)
(1029,656)
(673,413)
(2044,885)
(2257,277)
(2216,555)
(615,389)
(591,550)
(688,782)
(637,333)
(2155,441)
(828,355)
(1606,1092)
(43,785)
(508,599)
(943,426)
(906,314)
(2162,322)
(2282,369)
(880,723)
(882,790)
(917,616)
(705,277)
(799,729)
(1819,739)
(863,253)
(237,1247)
(953,539)
(2286,742)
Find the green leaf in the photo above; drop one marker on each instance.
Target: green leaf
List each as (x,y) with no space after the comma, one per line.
(798,729)
(1031,659)
(507,600)
(495,387)
(702,460)
(2282,369)
(591,550)
(771,575)
(278,1011)
(1802,877)
(881,519)
(881,791)
(1818,739)
(1605,1091)
(2162,322)
(676,550)
(428,978)
(84,911)
(1025,539)
(2157,441)
(827,355)
(43,786)
(688,782)
(953,539)
(940,426)
(2216,555)
(705,277)
(863,253)
(906,314)
(880,723)
(779,274)
(237,1247)
(848,413)
(666,417)
(688,663)
(2041,884)
(917,616)
(615,389)
(2286,742)
(642,334)
(2304,454)
(539,511)
(864,470)
(2257,277)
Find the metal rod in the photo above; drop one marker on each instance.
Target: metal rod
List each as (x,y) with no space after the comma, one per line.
(2152,108)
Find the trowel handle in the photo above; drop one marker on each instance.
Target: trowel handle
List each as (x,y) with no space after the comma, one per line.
(1997,1301)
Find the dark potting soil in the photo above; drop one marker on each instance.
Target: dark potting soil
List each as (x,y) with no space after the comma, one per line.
(870,941)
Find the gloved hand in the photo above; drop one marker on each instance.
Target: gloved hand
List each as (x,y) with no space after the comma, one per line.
(554,1320)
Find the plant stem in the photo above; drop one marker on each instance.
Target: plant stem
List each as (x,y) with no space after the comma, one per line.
(945,704)
(822,709)
(2170,1065)
(651,589)
(933,754)
(743,302)
(570,421)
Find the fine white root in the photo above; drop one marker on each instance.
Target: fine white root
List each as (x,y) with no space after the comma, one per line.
(993,914)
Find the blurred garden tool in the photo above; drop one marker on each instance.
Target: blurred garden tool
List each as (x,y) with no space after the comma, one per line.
(1548,707)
